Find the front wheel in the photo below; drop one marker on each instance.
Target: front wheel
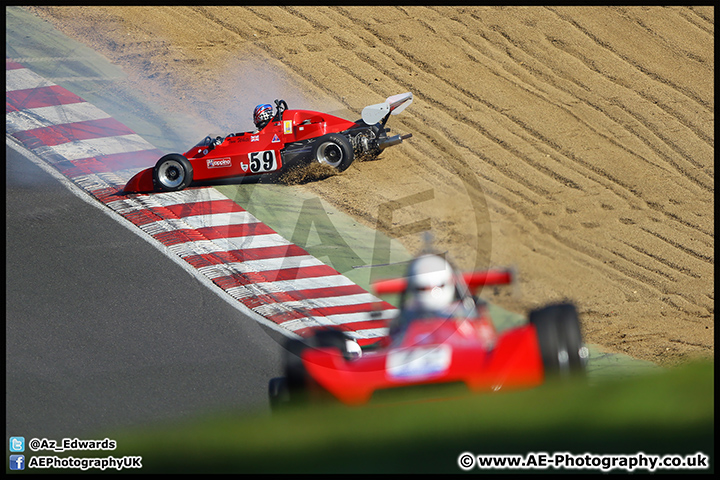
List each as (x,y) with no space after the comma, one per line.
(278,393)
(334,150)
(172,172)
(558,332)
(297,385)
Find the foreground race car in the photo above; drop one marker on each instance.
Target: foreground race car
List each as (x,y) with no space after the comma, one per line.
(435,350)
(291,138)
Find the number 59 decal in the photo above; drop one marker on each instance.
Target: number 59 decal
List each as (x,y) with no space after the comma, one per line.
(262,161)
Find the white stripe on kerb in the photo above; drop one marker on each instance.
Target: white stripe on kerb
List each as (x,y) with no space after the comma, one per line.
(322,302)
(99,181)
(203,247)
(43,117)
(168,199)
(22,79)
(91,181)
(282,286)
(200,221)
(188,196)
(78,149)
(264,265)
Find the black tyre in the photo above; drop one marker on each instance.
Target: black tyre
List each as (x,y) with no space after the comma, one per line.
(295,373)
(334,150)
(331,337)
(172,172)
(558,330)
(278,393)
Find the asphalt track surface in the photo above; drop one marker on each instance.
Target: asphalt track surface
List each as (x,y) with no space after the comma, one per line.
(104,331)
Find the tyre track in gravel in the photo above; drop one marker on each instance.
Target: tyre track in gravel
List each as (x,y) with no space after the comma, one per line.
(681,118)
(579,13)
(583,91)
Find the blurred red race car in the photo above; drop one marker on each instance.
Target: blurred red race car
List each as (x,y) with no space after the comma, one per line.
(291,137)
(442,335)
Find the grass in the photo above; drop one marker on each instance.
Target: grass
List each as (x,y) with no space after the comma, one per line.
(671,412)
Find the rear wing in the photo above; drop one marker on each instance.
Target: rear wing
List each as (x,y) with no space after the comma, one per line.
(473,280)
(394,104)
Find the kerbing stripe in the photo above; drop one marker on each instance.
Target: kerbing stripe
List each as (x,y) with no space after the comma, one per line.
(324,305)
(176,237)
(125,165)
(13,64)
(24,79)
(288,285)
(305,294)
(243,255)
(280,312)
(266,276)
(75,150)
(207,208)
(118,161)
(43,117)
(201,220)
(190,196)
(142,216)
(60,134)
(225,244)
(39,97)
(183,198)
(270,264)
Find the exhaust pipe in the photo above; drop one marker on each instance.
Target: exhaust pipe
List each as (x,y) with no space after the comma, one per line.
(395,140)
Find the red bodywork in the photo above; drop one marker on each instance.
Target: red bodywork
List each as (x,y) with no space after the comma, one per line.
(434,350)
(250,153)
(443,351)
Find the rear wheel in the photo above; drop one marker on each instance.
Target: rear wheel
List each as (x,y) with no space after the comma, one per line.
(172,172)
(558,331)
(334,150)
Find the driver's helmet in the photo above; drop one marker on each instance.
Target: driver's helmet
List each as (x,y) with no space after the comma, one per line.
(430,284)
(262,114)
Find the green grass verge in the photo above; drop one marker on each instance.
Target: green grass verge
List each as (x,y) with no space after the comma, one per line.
(358,252)
(667,412)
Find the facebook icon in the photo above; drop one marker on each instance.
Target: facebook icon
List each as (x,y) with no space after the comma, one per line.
(17,462)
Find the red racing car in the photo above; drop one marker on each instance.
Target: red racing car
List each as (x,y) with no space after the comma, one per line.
(460,347)
(292,137)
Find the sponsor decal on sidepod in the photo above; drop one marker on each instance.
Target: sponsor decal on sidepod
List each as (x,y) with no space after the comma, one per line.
(219,162)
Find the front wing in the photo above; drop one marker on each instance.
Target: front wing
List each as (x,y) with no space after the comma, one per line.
(514,362)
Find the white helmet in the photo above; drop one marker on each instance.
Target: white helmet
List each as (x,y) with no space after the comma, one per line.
(430,283)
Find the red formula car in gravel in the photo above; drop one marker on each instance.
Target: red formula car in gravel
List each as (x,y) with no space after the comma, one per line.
(425,346)
(292,137)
